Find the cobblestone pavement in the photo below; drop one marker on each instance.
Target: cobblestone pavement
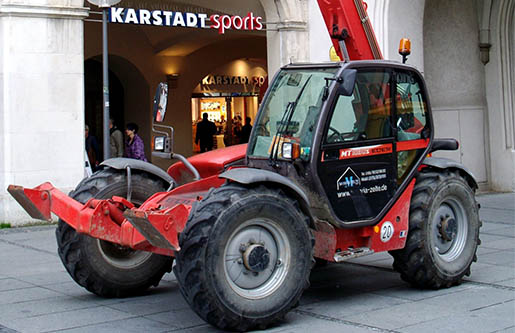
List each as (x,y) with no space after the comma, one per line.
(37,295)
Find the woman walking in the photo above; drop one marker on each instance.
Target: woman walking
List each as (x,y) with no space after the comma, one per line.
(134,147)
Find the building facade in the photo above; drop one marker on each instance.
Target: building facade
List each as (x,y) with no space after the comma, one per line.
(50,76)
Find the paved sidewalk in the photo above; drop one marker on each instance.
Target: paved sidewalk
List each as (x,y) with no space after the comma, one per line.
(37,295)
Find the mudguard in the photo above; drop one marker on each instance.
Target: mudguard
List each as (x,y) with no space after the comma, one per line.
(249,176)
(209,163)
(121,163)
(445,163)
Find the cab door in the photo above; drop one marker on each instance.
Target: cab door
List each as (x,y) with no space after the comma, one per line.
(412,123)
(357,166)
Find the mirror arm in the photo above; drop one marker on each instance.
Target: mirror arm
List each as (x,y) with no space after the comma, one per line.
(188,165)
(160,132)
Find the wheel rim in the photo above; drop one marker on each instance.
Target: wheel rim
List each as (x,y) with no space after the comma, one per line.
(257,258)
(450,229)
(121,256)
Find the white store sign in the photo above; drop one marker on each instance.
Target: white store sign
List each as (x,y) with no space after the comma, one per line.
(189,20)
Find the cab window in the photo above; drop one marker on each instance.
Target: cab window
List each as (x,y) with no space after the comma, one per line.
(411,110)
(290,111)
(411,107)
(366,114)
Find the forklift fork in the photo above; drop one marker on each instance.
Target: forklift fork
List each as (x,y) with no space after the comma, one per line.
(114,220)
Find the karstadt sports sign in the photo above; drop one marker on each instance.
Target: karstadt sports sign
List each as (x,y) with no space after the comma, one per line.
(179,19)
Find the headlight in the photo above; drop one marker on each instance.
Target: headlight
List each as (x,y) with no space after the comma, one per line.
(290,150)
(159,143)
(287,150)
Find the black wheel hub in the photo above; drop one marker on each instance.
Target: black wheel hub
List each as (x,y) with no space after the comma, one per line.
(448,228)
(256,258)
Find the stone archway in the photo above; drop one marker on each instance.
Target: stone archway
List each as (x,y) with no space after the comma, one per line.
(129,96)
(192,70)
(93,99)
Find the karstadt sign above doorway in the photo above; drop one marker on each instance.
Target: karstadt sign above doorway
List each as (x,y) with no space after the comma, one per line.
(180,19)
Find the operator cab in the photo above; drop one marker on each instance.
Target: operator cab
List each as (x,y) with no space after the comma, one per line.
(350,134)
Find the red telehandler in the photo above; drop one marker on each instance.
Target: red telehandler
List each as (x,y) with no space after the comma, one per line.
(337,167)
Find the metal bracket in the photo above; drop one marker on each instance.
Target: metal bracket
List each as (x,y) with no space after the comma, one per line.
(129,183)
(352,253)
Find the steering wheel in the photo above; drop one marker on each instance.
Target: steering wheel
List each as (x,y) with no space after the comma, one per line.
(336,136)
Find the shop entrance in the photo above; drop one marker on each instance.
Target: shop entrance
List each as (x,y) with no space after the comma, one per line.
(93,110)
(230,97)
(228,112)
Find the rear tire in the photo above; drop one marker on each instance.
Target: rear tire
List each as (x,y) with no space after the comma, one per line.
(107,269)
(443,231)
(245,257)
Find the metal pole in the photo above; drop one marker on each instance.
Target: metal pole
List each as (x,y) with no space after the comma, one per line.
(105,75)
(228,126)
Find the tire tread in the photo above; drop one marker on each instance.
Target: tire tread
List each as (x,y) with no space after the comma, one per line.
(190,260)
(413,262)
(69,241)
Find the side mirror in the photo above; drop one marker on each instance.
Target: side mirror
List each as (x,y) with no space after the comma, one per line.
(349,79)
(162,145)
(160,101)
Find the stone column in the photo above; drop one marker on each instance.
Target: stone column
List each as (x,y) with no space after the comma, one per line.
(41,97)
(500,92)
(287,32)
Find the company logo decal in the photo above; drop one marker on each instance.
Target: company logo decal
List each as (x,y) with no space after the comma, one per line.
(347,180)
(366,182)
(365,151)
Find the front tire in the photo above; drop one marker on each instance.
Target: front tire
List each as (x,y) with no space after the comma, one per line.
(103,268)
(443,231)
(245,257)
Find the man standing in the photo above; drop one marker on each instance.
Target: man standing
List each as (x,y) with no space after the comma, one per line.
(116,140)
(92,149)
(245,130)
(205,131)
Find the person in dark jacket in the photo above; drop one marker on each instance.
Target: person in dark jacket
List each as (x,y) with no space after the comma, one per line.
(92,149)
(205,131)
(245,131)
(134,147)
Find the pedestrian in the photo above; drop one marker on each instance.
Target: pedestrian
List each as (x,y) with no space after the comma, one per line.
(115,139)
(92,149)
(205,131)
(134,147)
(236,128)
(221,125)
(245,131)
